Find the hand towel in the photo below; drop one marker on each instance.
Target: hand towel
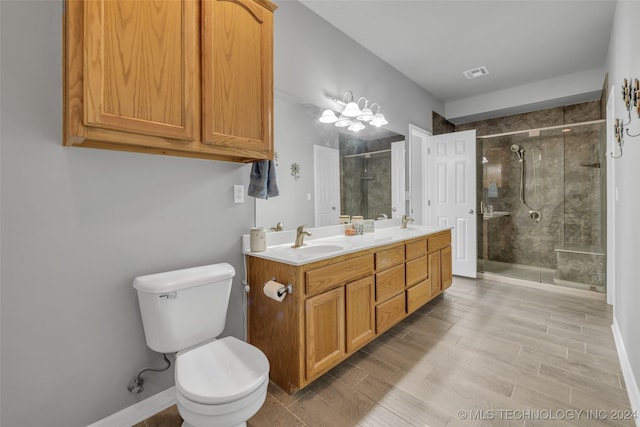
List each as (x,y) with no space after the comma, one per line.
(262,181)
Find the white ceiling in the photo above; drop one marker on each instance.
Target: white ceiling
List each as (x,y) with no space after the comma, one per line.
(519,41)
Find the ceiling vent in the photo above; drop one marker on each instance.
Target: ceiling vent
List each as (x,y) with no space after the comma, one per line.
(476,72)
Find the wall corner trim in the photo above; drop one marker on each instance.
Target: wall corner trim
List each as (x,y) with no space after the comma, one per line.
(140,411)
(632,385)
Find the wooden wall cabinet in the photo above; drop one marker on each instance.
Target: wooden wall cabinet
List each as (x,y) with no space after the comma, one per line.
(338,305)
(187,78)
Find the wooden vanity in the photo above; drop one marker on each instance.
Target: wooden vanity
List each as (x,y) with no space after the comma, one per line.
(341,303)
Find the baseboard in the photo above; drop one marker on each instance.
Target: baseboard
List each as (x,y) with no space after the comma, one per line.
(140,411)
(627,373)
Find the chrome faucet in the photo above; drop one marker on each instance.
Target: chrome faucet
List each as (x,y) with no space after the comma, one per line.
(300,233)
(278,227)
(405,220)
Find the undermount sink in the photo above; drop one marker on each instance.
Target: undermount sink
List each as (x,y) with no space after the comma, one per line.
(308,251)
(318,249)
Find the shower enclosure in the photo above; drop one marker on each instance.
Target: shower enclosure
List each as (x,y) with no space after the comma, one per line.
(542,210)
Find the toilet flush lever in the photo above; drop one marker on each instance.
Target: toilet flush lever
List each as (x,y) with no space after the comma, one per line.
(172,295)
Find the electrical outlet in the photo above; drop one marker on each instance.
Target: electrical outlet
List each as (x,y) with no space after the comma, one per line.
(238,194)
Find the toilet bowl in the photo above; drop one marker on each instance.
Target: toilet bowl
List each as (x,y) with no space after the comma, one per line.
(222,383)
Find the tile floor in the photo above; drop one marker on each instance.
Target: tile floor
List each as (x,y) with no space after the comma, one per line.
(484,353)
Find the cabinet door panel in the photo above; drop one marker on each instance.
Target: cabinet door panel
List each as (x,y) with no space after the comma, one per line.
(141,67)
(434,273)
(325,329)
(237,69)
(360,313)
(445,266)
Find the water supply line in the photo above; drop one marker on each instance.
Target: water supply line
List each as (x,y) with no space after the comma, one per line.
(135,385)
(533,213)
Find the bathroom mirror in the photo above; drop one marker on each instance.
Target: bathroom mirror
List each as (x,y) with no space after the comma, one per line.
(373,159)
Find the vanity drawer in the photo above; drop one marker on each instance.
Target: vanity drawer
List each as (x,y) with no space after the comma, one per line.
(389,313)
(418,295)
(389,282)
(389,258)
(416,248)
(330,276)
(417,270)
(439,241)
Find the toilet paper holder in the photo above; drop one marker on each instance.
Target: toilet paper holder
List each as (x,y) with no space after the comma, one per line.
(287,289)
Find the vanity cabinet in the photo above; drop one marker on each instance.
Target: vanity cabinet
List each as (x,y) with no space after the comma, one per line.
(339,304)
(176,77)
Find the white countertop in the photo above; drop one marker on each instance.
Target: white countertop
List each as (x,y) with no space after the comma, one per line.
(329,242)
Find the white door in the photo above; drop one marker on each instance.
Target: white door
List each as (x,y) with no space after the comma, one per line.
(326,183)
(398,170)
(451,196)
(418,144)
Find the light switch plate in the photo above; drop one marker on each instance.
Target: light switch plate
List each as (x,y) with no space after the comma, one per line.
(238,193)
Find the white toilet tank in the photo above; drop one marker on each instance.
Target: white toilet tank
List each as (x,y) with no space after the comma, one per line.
(183,308)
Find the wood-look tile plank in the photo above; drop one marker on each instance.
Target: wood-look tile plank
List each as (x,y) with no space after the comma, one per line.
(586,384)
(524,376)
(350,403)
(273,413)
(412,409)
(587,402)
(528,341)
(595,372)
(283,397)
(563,340)
(379,416)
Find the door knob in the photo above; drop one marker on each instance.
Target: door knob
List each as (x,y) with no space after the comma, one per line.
(470,211)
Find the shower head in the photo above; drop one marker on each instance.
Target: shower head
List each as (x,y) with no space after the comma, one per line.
(519,152)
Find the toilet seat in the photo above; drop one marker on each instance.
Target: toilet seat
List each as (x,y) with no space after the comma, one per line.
(221,371)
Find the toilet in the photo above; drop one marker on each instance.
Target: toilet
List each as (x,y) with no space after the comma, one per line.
(219,382)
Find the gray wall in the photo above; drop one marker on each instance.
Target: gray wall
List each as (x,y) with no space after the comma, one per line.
(78,225)
(624,62)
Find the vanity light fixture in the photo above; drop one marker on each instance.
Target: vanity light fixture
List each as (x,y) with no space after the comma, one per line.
(352,116)
(378,118)
(356,126)
(343,121)
(328,116)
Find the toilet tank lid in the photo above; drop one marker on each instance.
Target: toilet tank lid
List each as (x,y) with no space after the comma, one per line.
(170,281)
